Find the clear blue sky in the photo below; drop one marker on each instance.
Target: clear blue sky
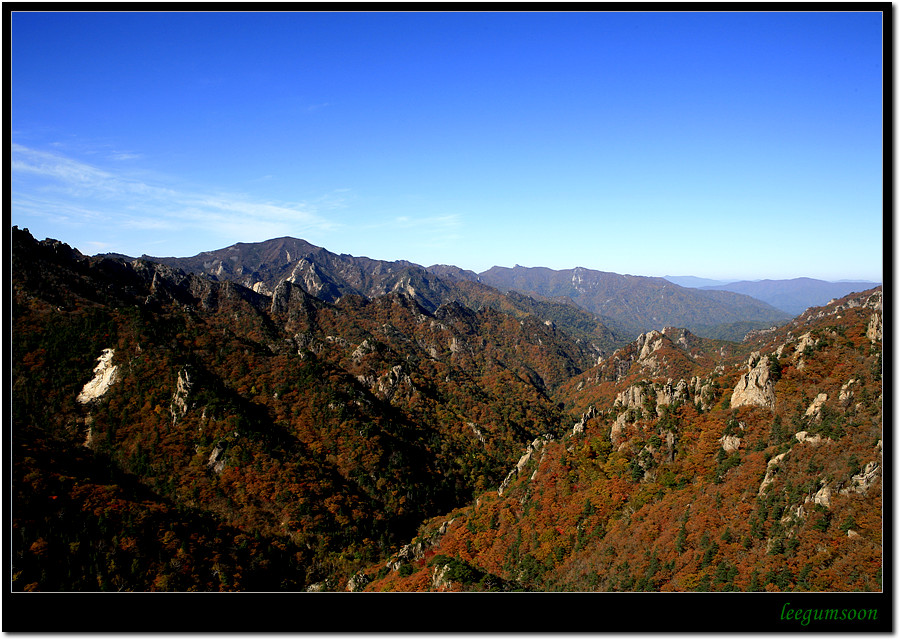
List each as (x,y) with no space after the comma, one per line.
(720,145)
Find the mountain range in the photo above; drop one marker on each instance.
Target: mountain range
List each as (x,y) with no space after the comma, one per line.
(625,304)
(637,303)
(275,417)
(793,296)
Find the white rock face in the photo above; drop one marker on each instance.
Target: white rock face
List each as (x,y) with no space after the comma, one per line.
(537,445)
(846,394)
(365,348)
(806,340)
(579,426)
(755,387)
(358,582)
(260,287)
(320,586)
(216,460)
(388,384)
(730,443)
(183,387)
(455,345)
(478,433)
(816,407)
(632,398)
(439,577)
(823,497)
(105,374)
(803,436)
(863,481)
(703,393)
(875,330)
(771,469)
(648,343)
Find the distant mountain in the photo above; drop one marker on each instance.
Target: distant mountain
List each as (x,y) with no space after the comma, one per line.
(694,282)
(263,266)
(637,303)
(451,272)
(795,295)
(629,305)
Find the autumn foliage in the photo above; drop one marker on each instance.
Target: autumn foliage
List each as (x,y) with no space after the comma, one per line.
(257,442)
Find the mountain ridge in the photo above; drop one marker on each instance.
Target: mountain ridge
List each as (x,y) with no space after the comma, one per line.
(640,302)
(628,304)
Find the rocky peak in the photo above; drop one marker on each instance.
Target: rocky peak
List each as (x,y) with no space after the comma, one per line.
(296,306)
(756,386)
(681,337)
(587,415)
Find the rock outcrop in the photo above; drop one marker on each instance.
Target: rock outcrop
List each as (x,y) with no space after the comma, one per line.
(180,401)
(105,374)
(388,384)
(358,582)
(814,410)
(846,394)
(537,445)
(803,436)
(756,386)
(875,329)
(771,470)
(587,415)
(863,481)
(216,460)
(730,443)
(823,497)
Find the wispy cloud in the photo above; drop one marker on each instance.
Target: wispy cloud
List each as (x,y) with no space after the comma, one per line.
(437,223)
(71,192)
(124,155)
(425,231)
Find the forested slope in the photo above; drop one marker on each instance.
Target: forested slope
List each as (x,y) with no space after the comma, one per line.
(173,432)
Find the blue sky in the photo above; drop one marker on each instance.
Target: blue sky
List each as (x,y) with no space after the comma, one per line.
(720,145)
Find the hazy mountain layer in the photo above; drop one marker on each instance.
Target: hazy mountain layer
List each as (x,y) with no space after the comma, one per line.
(638,303)
(795,295)
(694,281)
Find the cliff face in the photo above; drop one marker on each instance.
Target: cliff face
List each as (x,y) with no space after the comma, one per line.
(756,387)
